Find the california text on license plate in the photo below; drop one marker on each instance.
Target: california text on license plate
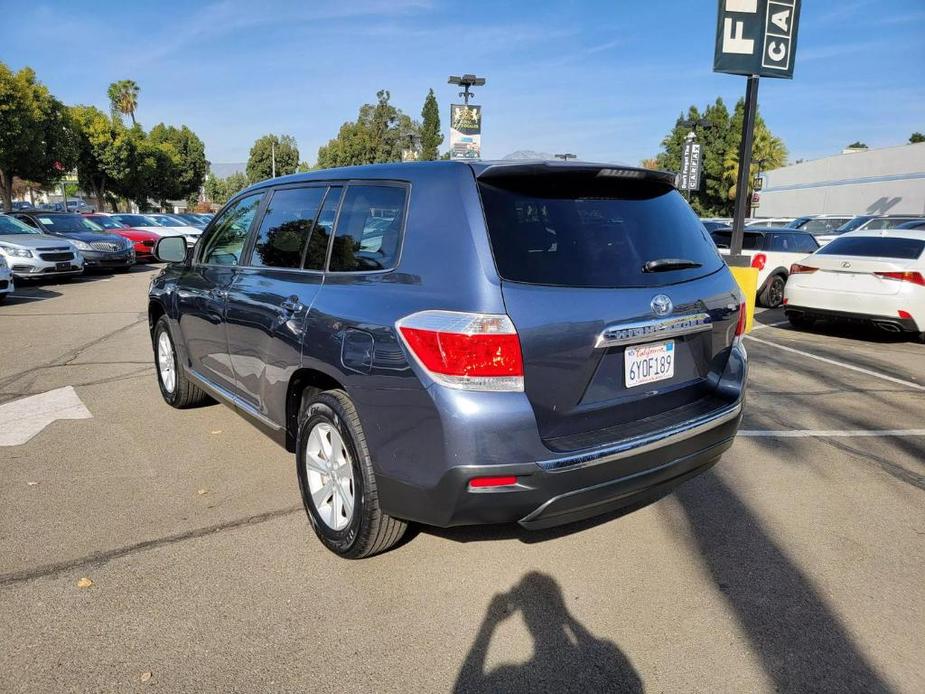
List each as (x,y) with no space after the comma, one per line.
(647,363)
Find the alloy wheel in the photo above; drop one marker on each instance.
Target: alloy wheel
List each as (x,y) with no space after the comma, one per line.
(165,362)
(329,472)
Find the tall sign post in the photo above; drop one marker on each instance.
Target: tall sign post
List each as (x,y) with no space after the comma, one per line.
(466,120)
(754,38)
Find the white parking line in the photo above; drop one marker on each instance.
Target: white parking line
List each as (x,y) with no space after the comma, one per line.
(22,419)
(759,326)
(847,433)
(851,367)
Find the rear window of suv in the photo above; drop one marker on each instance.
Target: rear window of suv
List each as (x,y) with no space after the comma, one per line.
(875,247)
(593,233)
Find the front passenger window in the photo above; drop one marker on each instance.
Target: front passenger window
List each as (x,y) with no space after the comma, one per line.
(227,238)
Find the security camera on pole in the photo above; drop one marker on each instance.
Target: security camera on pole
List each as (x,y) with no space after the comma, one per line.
(754,38)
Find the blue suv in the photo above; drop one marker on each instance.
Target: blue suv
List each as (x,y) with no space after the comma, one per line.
(455,343)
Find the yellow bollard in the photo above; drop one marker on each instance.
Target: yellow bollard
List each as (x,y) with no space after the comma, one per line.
(747,278)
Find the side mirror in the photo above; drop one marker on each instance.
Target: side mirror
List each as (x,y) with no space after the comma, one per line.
(170,249)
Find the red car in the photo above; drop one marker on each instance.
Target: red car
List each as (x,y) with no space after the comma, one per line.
(144,240)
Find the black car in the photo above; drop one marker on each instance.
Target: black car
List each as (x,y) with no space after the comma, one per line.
(99,248)
(456,343)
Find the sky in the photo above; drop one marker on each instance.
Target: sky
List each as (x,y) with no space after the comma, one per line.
(603,79)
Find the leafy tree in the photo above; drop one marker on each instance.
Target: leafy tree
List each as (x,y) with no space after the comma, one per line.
(719,135)
(431,137)
(857,145)
(123,98)
(184,160)
(916,137)
(36,133)
(376,137)
(260,162)
(101,151)
(220,190)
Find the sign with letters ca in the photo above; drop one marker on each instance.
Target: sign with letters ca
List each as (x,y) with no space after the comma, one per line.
(757,37)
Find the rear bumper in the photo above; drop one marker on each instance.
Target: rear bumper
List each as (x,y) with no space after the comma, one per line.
(887,322)
(545,496)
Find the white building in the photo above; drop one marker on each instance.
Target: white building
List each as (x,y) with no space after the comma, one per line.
(872,181)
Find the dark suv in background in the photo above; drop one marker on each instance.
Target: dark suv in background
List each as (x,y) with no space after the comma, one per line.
(456,343)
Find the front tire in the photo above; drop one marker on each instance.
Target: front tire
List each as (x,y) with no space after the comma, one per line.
(176,388)
(337,482)
(773,294)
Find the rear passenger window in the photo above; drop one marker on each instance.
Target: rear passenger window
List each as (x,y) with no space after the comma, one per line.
(287,225)
(369,229)
(805,243)
(317,251)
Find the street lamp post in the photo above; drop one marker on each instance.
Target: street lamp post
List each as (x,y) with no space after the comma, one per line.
(466,81)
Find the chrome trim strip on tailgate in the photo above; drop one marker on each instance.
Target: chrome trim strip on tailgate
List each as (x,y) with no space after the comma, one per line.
(643,444)
(652,330)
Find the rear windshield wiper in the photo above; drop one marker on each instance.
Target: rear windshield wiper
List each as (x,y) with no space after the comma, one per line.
(663,264)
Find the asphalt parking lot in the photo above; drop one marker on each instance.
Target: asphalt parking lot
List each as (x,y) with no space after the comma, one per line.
(796,564)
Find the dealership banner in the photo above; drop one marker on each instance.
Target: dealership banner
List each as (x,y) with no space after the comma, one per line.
(465,131)
(690,167)
(757,37)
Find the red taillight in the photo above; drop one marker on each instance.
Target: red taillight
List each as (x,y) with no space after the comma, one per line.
(473,351)
(743,317)
(914,277)
(759,261)
(486,482)
(905,315)
(797,269)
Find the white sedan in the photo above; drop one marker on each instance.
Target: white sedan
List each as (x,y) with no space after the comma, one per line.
(874,276)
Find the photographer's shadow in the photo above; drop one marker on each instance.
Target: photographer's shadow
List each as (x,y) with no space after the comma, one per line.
(566,656)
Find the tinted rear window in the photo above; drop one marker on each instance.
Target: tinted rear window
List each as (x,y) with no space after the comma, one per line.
(593,234)
(875,247)
(750,242)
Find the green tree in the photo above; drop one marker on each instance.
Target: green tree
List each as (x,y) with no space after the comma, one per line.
(260,161)
(857,145)
(431,137)
(916,137)
(101,151)
(220,190)
(768,151)
(183,159)
(123,98)
(377,136)
(37,138)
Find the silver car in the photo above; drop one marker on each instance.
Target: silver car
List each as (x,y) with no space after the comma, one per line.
(31,254)
(6,280)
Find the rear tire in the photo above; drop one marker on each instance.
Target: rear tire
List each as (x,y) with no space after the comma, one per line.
(773,294)
(176,388)
(367,530)
(801,321)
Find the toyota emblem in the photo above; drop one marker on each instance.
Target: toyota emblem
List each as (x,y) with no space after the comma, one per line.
(661,305)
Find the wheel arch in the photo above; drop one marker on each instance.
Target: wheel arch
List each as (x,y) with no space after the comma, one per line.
(304,379)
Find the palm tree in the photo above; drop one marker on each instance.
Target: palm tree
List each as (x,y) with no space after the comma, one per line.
(123,95)
(768,152)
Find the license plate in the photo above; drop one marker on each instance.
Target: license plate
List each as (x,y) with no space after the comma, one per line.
(62,266)
(648,363)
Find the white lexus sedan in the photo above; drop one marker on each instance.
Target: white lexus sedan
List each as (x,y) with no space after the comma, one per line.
(873,276)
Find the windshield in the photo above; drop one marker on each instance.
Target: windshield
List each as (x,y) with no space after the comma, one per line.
(67,223)
(875,247)
(136,220)
(853,224)
(107,222)
(166,221)
(823,226)
(8,225)
(586,234)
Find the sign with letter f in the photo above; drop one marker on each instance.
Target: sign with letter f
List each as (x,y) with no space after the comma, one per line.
(757,37)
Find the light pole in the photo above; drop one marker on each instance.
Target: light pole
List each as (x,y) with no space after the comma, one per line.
(466,81)
(565,156)
(273,157)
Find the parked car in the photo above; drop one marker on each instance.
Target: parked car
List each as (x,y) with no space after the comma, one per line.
(770,222)
(865,222)
(712,225)
(22,205)
(142,241)
(190,233)
(873,276)
(772,252)
(30,254)
(99,248)
(912,224)
(581,351)
(6,279)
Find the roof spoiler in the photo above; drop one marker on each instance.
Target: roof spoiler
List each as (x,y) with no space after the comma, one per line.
(578,169)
